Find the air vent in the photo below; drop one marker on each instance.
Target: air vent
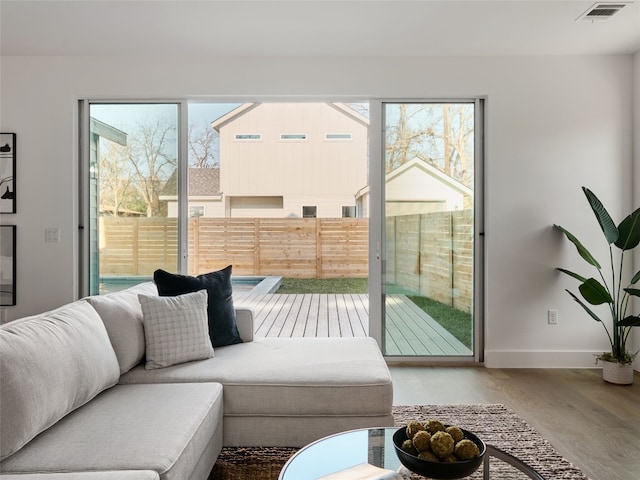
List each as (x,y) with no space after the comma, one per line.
(602,11)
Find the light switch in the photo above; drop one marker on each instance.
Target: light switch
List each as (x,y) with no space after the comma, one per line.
(52,235)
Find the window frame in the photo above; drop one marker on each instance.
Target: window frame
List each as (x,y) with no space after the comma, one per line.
(247,137)
(294,137)
(315,211)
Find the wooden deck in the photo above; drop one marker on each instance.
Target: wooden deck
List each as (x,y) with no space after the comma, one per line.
(409,330)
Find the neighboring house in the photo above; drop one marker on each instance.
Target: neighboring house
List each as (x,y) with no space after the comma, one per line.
(305,160)
(418,187)
(292,160)
(205,198)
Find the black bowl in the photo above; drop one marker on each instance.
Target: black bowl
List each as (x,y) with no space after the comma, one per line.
(439,470)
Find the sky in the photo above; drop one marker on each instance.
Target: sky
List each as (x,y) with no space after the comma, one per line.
(125,116)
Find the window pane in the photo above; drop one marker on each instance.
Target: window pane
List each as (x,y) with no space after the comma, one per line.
(269,168)
(429,224)
(133,165)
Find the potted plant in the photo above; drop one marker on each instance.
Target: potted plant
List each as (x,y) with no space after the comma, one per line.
(611,288)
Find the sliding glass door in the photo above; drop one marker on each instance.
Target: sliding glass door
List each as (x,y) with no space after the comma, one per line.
(338,200)
(430,228)
(133,164)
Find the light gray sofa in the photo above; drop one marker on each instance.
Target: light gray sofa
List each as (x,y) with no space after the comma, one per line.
(77,402)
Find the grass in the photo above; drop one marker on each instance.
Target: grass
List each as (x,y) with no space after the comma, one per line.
(323,285)
(458,323)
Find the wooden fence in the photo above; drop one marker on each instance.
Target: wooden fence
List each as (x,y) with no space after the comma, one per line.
(297,248)
(430,253)
(433,254)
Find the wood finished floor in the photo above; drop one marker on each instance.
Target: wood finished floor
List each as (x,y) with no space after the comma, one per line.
(595,425)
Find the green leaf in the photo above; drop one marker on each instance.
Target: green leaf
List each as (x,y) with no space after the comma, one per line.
(604,219)
(630,321)
(629,232)
(633,292)
(588,310)
(635,278)
(594,292)
(584,253)
(573,274)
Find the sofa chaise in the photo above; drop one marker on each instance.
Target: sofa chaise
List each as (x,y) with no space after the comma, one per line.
(77,399)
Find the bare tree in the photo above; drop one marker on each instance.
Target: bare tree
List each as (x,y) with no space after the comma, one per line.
(152,153)
(202,147)
(441,134)
(116,183)
(405,135)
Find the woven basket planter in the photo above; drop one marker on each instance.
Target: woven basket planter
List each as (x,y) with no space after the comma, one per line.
(618,373)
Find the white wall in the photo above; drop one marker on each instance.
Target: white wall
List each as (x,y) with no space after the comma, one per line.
(636,182)
(553,124)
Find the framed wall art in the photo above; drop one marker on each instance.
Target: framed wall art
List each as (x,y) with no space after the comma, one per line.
(7,173)
(7,265)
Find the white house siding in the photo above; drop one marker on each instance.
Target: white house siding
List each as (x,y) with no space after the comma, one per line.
(326,206)
(314,171)
(212,208)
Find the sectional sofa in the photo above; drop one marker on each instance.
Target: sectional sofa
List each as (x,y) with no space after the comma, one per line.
(79,399)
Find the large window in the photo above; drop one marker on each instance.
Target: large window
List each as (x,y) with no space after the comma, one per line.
(378,198)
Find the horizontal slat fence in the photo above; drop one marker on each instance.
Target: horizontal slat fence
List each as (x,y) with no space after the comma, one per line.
(137,246)
(289,247)
(430,253)
(433,254)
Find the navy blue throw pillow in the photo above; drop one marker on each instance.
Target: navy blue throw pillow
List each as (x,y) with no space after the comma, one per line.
(222,316)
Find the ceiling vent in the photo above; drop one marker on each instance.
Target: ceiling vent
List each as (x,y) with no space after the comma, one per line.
(602,11)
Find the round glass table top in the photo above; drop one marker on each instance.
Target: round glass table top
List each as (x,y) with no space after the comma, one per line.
(341,451)
(375,446)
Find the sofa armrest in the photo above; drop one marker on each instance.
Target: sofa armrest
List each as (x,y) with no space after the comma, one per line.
(244,320)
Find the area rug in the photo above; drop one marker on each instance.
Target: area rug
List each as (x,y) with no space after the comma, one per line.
(494,423)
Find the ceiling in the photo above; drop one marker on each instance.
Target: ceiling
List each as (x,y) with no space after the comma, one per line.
(313,28)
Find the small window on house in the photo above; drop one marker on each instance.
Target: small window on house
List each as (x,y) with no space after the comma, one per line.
(309,212)
(196,211)
(248,136)
(348,211)
(337,136)
(293,136)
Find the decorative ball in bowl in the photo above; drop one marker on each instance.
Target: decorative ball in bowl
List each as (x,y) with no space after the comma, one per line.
(442,454)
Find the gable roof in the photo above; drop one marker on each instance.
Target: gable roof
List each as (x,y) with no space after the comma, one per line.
(431,170)
(247,107)
(417,163)
(203,182)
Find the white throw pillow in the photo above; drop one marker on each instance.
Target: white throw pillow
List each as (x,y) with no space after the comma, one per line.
(176,329)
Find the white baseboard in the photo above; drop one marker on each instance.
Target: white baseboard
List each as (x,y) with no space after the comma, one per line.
(540,359)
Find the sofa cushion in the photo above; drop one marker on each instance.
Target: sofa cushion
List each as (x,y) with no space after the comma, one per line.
(175,329)
(122,316)
(290,376)
(222,317)
(110,475)
(290,391)
(164,428)
(51,364)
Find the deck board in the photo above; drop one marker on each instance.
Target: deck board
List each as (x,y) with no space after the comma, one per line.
(409,330)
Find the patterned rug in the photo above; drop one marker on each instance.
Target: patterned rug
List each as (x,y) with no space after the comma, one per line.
(494,423)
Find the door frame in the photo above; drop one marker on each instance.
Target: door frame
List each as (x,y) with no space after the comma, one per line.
(377,247)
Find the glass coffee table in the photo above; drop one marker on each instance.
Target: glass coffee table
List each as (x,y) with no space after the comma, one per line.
(375,446)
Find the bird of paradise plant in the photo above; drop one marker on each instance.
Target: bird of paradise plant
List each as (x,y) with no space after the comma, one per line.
(611,288)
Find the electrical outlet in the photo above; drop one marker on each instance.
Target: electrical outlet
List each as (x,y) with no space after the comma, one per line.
(552,317)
